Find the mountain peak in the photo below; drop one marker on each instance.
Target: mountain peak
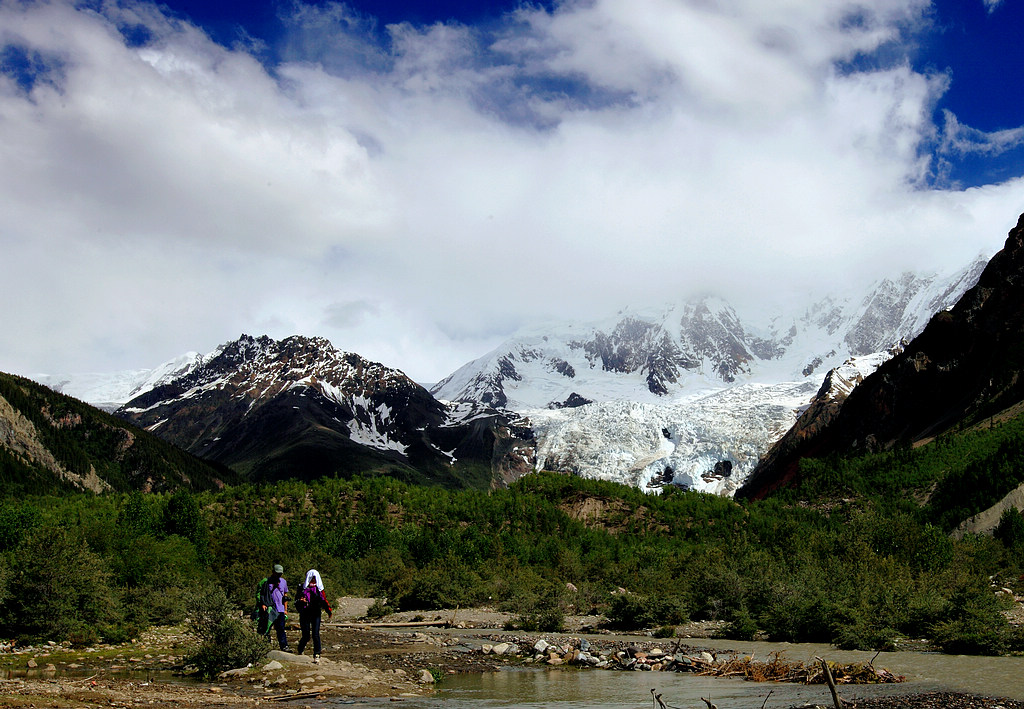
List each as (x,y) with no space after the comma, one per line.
(967,364)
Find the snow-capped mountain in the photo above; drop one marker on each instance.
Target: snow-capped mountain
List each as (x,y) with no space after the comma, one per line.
(692,392)
(111,390)
(964,369)
(301,408)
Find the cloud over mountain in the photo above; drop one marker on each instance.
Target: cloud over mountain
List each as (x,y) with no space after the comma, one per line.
(415,192)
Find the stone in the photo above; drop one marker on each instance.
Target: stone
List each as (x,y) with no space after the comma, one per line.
(282,656)
(272,666)
(706,656)
(554,661)
(487,648)
(584,644)
(32,663)
(426,677)
(541,645)
(502,648)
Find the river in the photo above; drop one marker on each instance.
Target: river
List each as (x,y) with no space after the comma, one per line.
(560,688)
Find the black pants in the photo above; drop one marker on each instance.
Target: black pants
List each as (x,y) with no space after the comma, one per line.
(282,639)
(310,625)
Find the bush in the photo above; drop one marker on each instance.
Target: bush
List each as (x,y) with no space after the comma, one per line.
(225,641)
(378,609)
(63,590)
(741,626)
(628,611)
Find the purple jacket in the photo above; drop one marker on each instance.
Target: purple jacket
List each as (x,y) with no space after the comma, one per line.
(277,594)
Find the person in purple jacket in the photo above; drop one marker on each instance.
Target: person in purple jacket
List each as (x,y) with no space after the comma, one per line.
(276,603)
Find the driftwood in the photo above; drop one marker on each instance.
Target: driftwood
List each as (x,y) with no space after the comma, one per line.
(708,702)
(410,624)
(831,683)
(297,695)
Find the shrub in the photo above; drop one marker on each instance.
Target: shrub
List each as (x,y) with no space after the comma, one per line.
(63,590)
(628,611)
(225,641)
(378,609)
(741,626)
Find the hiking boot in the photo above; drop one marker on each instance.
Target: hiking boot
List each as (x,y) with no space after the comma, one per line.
(316,659)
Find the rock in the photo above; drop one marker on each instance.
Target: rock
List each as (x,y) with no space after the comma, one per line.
(706,656)
(487,649)
(233,673)
(32,663)
(554,661)
(426,677)
(282,656)
(584,645)
(656,652)
(541,645)
(272,666)
(502,648)
(571,588)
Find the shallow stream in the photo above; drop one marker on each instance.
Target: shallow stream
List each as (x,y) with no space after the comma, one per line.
(561,688)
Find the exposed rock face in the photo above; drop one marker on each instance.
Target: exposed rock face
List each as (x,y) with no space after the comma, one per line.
(965,365)
(300,408)
(54,442)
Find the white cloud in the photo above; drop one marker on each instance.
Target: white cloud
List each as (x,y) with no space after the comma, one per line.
(414,203)
(961,139)
(991,5)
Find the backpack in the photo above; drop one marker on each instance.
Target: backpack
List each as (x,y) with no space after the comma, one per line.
(263,592)
(308,598)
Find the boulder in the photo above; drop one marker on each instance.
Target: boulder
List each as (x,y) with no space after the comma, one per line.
(425,677)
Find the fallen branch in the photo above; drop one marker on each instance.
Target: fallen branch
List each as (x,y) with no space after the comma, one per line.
(831,683)
(410,624)
(297,695)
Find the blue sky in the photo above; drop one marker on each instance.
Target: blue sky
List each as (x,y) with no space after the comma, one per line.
(415,181)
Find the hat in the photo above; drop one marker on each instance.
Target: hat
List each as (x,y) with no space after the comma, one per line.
(278,569)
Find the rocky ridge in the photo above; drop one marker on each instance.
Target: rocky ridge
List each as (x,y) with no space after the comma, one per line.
(966,365)
(301,408)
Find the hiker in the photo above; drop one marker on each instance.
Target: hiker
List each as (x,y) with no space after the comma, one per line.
(311,602)
(274,606)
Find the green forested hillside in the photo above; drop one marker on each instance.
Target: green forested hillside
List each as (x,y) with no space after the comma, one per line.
(53,442)
(858,555)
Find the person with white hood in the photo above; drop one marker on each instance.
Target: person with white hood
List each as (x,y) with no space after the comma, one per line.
(311,602)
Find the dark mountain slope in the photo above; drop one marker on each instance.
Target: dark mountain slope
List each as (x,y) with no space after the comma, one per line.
(965,365)
(50,442)
(299,408)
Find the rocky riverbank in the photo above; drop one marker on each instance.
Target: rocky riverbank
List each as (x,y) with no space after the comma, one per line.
(356,662)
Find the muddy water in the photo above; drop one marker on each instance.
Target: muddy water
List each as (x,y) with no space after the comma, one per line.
(995,676)
(560,688)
